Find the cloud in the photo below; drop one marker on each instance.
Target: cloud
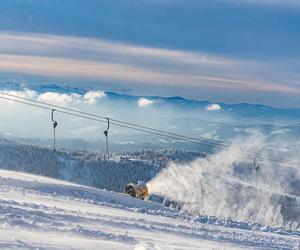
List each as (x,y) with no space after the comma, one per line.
(143,102)
(58,99)
(213,107)
(71,68)
(129,65)
(26,93)
(91,97)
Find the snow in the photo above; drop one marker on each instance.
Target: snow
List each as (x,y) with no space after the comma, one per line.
(42,213)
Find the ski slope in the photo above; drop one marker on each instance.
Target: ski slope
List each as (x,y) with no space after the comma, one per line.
(43,213)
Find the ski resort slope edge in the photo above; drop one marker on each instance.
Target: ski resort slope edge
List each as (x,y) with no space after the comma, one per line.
(42,213)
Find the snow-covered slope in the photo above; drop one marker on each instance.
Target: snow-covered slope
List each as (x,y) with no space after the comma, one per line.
(41,213)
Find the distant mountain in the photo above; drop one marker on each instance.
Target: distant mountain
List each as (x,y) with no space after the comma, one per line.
(251,114)
(204,120)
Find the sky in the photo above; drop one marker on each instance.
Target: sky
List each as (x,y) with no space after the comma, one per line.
(228,51)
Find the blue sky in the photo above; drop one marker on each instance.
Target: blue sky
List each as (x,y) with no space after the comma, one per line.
(219,50)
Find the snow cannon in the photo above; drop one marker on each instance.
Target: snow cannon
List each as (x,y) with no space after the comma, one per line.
(139,191)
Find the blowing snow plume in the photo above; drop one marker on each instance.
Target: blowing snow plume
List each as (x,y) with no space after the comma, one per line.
(230,184)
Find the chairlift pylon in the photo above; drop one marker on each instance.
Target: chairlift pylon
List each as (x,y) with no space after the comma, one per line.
(106,137)
(54,128)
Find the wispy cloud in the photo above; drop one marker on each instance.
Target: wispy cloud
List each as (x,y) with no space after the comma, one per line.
(95,59)
(97,49)
(85,69)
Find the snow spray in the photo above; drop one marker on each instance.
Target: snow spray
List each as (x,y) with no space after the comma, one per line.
(213,186)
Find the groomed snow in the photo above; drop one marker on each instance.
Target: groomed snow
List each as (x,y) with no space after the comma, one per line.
(42,213)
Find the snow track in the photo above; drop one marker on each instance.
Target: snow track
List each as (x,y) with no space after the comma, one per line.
(41,213)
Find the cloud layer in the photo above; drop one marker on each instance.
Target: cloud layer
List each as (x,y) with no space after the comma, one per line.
(74,58)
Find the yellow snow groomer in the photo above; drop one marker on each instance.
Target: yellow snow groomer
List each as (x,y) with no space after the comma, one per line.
(139,191)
